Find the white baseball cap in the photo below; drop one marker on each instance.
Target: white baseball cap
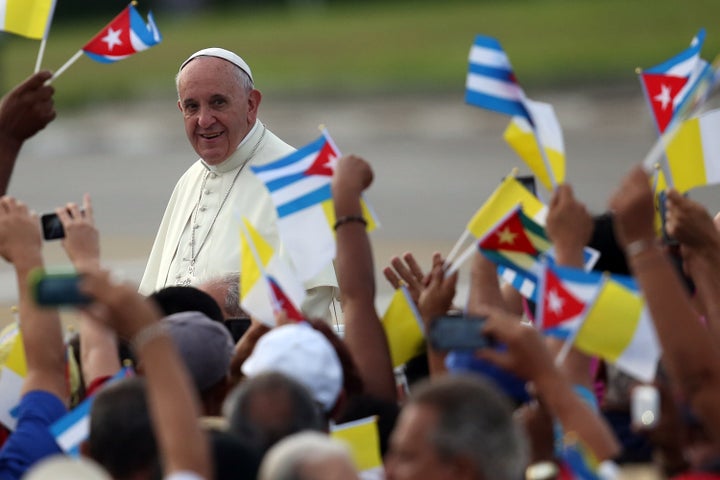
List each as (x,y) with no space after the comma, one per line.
(220,53)
(305,355)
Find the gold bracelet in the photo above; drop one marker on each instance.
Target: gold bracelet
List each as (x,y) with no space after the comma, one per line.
(147,334)
(349,219)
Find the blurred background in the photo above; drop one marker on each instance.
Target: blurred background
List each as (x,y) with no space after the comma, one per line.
(386,78)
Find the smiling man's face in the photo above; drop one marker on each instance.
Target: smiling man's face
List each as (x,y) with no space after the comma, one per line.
(218,112)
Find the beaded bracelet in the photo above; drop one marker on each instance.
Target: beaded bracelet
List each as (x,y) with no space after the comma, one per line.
(349,219)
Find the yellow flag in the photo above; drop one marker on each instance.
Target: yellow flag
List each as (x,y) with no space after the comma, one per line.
(252,247)
(519,135)
(618,328)
(367,212)
(694,152)
(403,328)
(29,18)
(503,200)
(363,439)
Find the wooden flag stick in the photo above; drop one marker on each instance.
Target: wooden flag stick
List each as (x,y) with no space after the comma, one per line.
(65,67)
(41,53)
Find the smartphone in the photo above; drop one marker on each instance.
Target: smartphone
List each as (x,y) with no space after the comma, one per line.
(52,226)
(57,289)
(645,407)
(450,332)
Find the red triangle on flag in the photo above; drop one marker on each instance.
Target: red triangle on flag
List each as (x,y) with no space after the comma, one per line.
(284,303)
(662,91)
(559,305)
(509,235)
(114,39)
(324,163)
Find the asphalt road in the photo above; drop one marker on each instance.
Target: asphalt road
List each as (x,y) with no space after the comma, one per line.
(435,160)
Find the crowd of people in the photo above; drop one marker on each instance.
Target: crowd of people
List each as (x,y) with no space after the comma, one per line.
(216,394)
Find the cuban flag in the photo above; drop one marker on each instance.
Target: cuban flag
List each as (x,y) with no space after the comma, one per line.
(491,82)
(74,427)
(564,295)
(124,36)
(672,86)
(299,186)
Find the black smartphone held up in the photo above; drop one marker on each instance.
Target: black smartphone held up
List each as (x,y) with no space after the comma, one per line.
(52,226)
(57,289)
(451,332)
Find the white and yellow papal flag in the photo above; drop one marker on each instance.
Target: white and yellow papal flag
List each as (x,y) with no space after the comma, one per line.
(259,263)
(693,154)
(28,18)
(12,374)
(519,135)
(362,437)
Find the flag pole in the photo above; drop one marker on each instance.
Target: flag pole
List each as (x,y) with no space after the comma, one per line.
(457,264)
(41,53)
(456,248)
(65,67)
(43,42)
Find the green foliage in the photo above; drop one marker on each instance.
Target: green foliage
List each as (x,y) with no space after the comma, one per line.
(357,47)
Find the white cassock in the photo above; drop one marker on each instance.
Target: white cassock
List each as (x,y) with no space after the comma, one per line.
(199,237)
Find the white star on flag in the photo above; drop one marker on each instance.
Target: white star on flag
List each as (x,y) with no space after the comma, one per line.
(663,97)
(555,302)
(112,38)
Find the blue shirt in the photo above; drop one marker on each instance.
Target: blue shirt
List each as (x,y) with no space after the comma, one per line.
(31,441)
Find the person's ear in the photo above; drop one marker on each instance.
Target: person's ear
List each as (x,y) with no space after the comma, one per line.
(254,99)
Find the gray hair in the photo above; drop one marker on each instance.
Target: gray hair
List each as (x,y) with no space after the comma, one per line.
(230,284)
(475,421)
(243,79)
(284,461)
(283,394)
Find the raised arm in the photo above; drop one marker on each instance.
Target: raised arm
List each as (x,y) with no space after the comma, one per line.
(24,111)
(527,356)
(690,224)
(569,227)
(98,343)
(435,300)
(364,334)
(21,245)
(173,403)
(691,357)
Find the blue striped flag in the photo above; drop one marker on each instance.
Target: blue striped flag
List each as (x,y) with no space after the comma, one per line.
(528,285)
(491,82)
(74,427)
(299,186)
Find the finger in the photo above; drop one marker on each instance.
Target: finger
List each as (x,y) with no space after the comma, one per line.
(414,266)
(88,208)
(403,271)
(391,277)
(73,209)
(64,216)
(34,81)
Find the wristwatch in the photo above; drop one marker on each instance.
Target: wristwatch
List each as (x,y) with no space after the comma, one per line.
(547,470)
